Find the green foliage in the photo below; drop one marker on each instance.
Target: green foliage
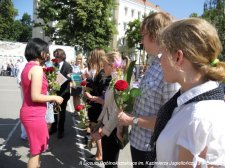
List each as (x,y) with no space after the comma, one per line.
(214,12)
(86,23)
(133,35)
(26,28)
(193,15)
(11,29)
(7,15)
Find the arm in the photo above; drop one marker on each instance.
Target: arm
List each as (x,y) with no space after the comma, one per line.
(144,122)
(36,75)
(95,99)
(186,156)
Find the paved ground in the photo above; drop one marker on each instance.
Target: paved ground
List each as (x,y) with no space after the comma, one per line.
(68,152)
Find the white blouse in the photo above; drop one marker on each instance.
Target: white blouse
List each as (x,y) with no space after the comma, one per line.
(109,113)
(194,126)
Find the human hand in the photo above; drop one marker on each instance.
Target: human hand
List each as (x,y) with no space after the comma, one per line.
(58,99)
(88,95)
(98,100)
(125,119)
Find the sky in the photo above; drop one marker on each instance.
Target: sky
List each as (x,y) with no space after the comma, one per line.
(177,8)
(23,6)
(180,8)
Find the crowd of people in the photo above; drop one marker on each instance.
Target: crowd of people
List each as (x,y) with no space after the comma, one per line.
(10,68)
(178,116)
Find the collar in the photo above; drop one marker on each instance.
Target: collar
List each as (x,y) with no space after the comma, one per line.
(155,60)
(60,64)
(195,91)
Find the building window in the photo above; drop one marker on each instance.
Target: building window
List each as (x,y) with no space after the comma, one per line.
(139,15)
(125,11)
(124,26)
(132,13)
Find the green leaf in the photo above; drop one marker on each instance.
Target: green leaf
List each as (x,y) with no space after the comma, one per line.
(116,97)
(135,92)
(125,96)
(129,105)
(129,72)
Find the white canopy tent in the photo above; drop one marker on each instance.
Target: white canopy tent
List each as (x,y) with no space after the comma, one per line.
(12,51)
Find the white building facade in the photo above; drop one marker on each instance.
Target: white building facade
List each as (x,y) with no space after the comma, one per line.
(129,10)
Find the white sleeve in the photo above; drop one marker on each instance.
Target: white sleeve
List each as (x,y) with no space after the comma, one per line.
(194,138)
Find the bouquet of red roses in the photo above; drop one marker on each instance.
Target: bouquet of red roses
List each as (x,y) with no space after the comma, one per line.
(51,75)
(53,86)
(82,108)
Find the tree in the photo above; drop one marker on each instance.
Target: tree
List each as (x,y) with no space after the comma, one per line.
(25,29)
(133,36)
(7,15)
(214,11)
(193,15)
(87,23)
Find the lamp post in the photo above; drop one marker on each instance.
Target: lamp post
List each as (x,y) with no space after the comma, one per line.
(144,7)
(140,47)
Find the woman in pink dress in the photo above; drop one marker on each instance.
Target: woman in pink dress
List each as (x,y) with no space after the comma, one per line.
(34,85)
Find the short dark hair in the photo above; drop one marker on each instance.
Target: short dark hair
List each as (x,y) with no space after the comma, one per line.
(34,49)
(59,53)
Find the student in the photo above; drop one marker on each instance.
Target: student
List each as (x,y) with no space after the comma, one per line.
(108,117)
(154,91)
(195,132)
(77,76)
(98,85)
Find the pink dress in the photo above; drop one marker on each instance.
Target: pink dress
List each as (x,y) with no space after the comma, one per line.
(32,114)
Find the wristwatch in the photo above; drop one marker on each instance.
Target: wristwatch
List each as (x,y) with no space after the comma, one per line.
(135,121)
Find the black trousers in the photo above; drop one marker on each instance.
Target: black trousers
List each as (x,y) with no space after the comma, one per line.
(60,118)
(110,150)
(139,158)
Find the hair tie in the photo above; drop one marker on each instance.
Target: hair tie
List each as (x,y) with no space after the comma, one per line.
(214,62)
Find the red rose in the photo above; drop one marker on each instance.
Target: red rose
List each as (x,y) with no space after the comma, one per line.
(121,85)
(45,70)
(83,83)
(55,60)
(50,69)
(79,107)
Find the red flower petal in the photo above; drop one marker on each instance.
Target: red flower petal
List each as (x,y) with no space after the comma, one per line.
(121,85)
(55,60)
(79,107)
(83,83)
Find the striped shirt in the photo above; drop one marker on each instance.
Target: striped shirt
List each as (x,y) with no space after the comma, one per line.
(154,93)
